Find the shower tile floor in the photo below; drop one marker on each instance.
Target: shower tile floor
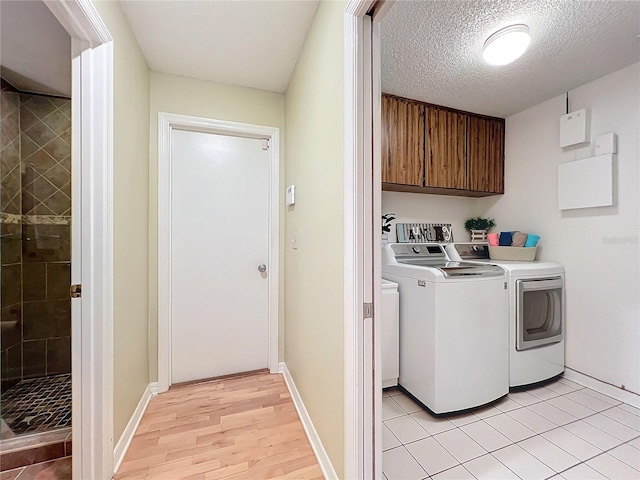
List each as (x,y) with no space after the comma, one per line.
(37,405)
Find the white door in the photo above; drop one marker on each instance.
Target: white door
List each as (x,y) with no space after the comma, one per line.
(219,241)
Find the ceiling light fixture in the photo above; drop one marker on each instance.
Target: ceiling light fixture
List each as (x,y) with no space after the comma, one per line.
(506,45)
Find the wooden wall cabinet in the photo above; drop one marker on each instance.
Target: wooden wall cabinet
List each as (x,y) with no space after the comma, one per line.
(432,149)
(485,159)
(402,144)
(446,149)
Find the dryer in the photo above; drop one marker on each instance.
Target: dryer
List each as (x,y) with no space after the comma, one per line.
(454,342)
(536,313)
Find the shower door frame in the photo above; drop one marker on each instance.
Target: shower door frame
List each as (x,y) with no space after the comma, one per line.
(92,237)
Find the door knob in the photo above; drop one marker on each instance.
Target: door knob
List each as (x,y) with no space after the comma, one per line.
(262,268)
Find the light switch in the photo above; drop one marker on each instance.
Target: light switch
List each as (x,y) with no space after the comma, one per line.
(291,195)
(294,240)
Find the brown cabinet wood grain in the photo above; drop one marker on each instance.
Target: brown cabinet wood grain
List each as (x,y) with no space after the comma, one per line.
(486,154)
(402,141)
(432,149)
(446,149)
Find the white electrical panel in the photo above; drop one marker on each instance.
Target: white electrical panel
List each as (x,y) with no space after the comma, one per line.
(606,144)
(291,195)
(573,128)
(586,183)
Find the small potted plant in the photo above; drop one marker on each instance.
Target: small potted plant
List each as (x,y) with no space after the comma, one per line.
(478,227)
(387,218)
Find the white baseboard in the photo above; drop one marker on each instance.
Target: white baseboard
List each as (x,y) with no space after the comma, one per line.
(125,439)
(602,387)
(316,444)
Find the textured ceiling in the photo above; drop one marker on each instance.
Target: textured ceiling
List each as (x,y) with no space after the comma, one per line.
(249,43)
(432,50)
(35,51)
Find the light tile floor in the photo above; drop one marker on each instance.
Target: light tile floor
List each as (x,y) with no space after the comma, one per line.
(561,431)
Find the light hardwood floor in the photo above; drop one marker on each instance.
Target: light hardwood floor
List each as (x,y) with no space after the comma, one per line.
(238,428)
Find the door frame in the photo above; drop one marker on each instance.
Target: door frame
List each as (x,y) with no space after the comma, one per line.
(92,237)
(363,241)
(166,123)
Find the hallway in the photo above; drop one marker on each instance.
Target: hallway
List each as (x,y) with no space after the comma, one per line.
(242,427)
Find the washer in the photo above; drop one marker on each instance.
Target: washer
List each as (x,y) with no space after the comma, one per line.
(536,314)
(454,343)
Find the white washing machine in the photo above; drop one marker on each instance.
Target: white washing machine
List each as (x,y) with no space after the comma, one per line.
(536,314)
(454,342)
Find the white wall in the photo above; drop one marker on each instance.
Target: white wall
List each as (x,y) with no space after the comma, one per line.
(421,208)
(130,217)
(314,299)
(598,246)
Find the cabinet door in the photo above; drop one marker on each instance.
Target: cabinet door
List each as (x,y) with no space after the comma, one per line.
(402,141)
(446,162)
(486,154)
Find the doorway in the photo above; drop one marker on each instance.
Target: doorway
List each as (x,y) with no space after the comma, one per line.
(218,205)
(35,251)
(91,54)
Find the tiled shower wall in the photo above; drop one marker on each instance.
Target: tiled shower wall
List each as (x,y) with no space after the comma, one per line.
(36,243)
(11,235)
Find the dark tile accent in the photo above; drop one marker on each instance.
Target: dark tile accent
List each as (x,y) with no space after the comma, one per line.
(9,103)
(40,162)
(31,456)
(27,146)
(3,368)
(58,122)
(11,282)
(66,109)
(58,175)
(9,157)
(10,228)
(59,203)
(27,119)
(11,249)
(40,188)
(11,333)
(66,136)
(34,282)
(66,162)
(34,358)
(40,134)
(58,148)
(10,192)
(14,362)
(39,105)
(48,319)
(66,189)
(41,209)
(54,244)
(6,384)
(62,103)
(67,448)
(58,355)
(10,127)
(58,280)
